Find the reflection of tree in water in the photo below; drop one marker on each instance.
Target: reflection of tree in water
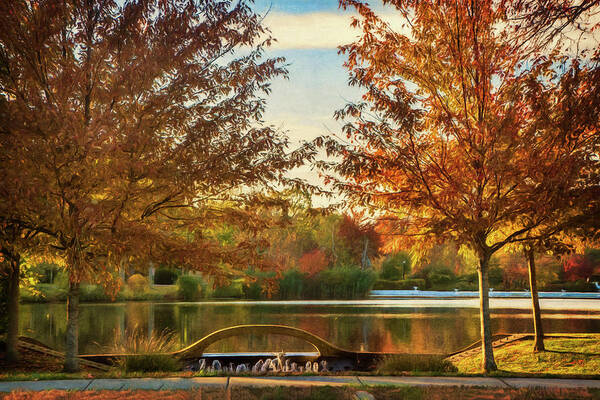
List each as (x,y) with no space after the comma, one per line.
(44,322)
(508,321)
(136,316)
(260,343)
(354,328)
(101,323)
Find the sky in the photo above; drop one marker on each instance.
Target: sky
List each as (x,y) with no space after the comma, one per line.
(308,33)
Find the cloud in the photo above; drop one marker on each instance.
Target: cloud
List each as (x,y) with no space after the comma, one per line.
(318,30)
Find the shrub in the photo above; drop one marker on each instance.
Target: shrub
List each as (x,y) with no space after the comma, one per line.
(442,277)
(150,363)
(346,282)
(406,284)
(495,276)
(252,291)
(137,282)
(390,272)
(580,286)
(188,287)
(233,290)
(93,293)
(414,362)
(467,285)
(396,266)
(165,276)
(291,285)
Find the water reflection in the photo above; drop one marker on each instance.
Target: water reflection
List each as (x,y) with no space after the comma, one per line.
(353,326)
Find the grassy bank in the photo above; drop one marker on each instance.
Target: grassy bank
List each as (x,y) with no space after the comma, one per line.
(563,356)
(50,293)
(334,283)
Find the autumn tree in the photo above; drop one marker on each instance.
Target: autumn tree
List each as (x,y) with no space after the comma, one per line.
(22,223)
(361,238)
(537,23)
(313,262)
(441,140)
(578,267)
(131,118)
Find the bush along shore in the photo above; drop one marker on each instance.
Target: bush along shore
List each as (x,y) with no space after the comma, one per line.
(393,272)
(335,283)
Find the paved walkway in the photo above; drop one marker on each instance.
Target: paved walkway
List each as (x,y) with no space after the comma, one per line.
(225,382)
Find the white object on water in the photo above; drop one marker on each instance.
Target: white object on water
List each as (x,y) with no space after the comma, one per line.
(324,366)
(308,366)
(315,367)
(294,367)
(241,369)
(202,364)
(265,367)
(216,365)
(415,288)
(257,367)
(275,367)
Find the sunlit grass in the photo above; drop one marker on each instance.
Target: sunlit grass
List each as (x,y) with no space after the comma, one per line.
(572,356)
(395,364)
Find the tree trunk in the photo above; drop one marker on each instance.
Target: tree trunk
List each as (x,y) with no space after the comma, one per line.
(364,261)
(333,254)
(488,363)
(12,335)
(538,345)
(72,342)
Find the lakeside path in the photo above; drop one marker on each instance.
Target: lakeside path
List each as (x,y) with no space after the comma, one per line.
(293,381)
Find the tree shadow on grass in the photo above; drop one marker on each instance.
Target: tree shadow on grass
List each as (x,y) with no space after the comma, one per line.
(572,352)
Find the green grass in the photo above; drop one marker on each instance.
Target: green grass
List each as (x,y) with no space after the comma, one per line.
(563,356)
(400,363)
(48,293)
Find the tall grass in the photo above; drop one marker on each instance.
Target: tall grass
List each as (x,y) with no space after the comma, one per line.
(147,353)
(398,363)
(345,282)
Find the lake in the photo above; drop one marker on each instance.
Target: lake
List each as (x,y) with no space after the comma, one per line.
(387,325)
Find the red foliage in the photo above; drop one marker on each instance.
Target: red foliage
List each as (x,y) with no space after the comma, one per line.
(313,262)
(515,276)
(355,232)
(103,395)
(578,267)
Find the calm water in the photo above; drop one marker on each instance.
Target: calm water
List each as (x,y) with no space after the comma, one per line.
(411,325)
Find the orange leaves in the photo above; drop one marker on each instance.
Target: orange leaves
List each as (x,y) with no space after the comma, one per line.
(313,262)
(101,395)
(578,267)
(455,136)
